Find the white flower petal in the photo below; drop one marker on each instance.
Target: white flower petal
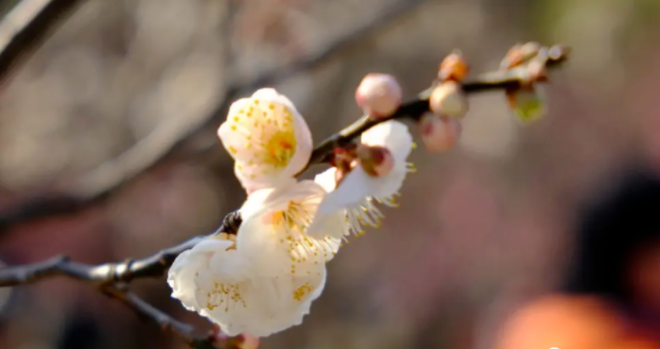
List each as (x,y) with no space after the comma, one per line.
(274,230)
(215,280)
(327,179)
(392,135)
(268,139)
(357,193)
(181,277)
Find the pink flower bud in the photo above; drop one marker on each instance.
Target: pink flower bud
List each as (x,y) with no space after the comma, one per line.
(439,133)
(448,99)
(248,342)
(241,341)
(375,161)
(379,95)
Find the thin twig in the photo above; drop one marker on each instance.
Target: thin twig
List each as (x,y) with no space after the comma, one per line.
(25,27)
(149,267)
(157,147)
(497,80)
(111,278)
(146,311)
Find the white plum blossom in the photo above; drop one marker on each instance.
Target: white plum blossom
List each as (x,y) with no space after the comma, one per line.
(263,279)
(268,139)
(216,281)
(358,192)
(274,234)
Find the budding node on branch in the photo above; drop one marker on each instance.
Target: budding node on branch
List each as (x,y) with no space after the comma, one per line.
(453,67)
(242,341)
(528,103)
(520,54)
(448,99)
(379,95)
(376,161)
(439,133)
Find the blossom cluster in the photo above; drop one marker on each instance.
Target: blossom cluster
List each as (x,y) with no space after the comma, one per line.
(263,278)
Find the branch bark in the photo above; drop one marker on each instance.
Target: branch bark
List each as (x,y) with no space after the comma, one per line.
(26,26)
(153,266)
(147,312)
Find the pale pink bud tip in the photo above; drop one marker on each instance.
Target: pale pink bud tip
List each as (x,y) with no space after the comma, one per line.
(241,341)
(439,133)
(448,99)
(375,161)
(379,95)
(249,342)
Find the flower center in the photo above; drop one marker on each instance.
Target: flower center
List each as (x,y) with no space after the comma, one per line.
(295,216)
(224,295)
(289,226)
(280,149)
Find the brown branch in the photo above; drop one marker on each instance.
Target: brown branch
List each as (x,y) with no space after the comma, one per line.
(497,80)
(146,311)
(26,26)
(165,143)
(111,278)
(149,267)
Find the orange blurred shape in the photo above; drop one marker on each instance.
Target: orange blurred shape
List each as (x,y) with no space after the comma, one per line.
(566,323)
(635,343)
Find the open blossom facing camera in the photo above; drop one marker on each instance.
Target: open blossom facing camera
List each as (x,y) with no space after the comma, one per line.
(275,232)
(357,191)
(268,139)
(216,281)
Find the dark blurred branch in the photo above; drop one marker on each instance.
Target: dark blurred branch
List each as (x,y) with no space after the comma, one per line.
(146,311)
(166,142)
(112,278)
(108,273)
(25,27)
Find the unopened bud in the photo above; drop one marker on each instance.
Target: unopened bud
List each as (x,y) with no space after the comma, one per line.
(379,95)
(527,103)
(536,70)
(453,67)
(375,161)
(248,342)
(558,52)
(241,341)
(439,133)
(520,54)
(530,50)
(448,99)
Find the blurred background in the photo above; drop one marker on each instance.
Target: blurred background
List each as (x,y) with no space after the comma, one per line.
(480,229)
